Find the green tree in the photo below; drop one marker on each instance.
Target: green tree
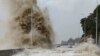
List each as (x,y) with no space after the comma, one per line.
(89,23)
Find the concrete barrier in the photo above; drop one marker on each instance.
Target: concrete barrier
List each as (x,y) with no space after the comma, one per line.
(9,52)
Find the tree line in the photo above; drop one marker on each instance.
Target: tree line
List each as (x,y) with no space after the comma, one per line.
(88,23)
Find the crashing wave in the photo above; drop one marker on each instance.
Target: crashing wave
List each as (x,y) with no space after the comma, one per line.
(26,25)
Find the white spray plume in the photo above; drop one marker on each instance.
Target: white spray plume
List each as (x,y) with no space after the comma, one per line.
(14,36)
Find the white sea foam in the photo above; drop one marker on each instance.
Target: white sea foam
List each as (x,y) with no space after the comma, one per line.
(84,49)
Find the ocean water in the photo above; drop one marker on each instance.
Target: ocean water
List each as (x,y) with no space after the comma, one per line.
(10,39)
(84,49)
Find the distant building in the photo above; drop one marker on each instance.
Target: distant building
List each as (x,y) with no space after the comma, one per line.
(64,43)
(71,42)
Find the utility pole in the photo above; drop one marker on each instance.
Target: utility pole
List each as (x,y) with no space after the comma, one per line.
(97,23)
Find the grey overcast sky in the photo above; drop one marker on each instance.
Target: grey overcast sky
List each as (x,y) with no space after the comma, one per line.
(65,16)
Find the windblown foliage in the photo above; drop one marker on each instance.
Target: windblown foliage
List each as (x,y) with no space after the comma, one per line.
(89,23)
